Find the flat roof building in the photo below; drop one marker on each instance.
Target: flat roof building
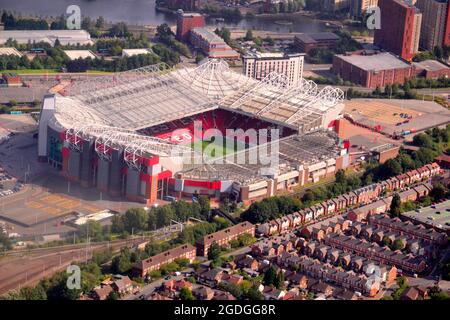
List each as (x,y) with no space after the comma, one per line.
(79,54)
(431,69)
(134,52)
(372,71)
(318,40)
(10,52)
(258,65)
(65,37)
(211,44)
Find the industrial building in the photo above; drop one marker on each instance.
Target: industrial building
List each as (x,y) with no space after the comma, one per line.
(79,54)
(65,37)
(126,53)
(211,44)
(372,71)
(258,65)
(130,134)
(431,69)
(186,22)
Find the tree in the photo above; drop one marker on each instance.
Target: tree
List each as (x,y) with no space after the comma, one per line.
(91,229)
(438,192)
(437,294)
(164,32)
(205,206)
(186,294)
(163,215)
(5,242)
(214,251)
(279,280)
(270,276)
(100,23)
(340,176)
(398,244)
(395,205)
(122,263)
(249,35)
(113,295)
(135,219)
(119,30)
(254,294)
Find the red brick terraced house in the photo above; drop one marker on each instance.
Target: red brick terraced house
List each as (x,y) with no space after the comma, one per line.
(223,237)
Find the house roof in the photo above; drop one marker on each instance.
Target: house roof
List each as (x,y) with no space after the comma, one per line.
(165,256)
(225,233)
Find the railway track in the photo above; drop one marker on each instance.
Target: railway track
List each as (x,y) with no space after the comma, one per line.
(28,267)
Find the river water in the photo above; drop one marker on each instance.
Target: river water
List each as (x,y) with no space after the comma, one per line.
(142,12)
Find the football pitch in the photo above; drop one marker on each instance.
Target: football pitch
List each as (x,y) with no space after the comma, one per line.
(215,149)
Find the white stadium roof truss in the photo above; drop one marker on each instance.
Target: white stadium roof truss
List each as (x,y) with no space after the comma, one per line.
(110,109)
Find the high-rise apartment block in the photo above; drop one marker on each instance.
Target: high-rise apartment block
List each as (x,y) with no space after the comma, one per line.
(400,28)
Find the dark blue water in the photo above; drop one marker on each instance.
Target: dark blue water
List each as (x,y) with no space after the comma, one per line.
(142,12)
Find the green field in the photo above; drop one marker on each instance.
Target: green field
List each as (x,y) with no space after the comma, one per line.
(215,150)
(31,71)
(48,71)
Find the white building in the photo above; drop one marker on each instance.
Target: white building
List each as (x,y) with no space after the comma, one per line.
(10,52)
(77,54)
(134,52)
(258,65)
(65,37)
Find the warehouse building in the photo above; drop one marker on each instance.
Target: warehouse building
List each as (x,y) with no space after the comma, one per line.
(372,71)
(65,37)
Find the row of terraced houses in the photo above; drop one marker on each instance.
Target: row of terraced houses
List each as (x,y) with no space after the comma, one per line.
(362,196)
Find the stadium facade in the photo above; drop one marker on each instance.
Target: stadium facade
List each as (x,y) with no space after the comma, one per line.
(130,134)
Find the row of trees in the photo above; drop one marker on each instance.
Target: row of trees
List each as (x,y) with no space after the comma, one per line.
(56,60)
(438,52)
(289,6)
(226,13)
(167,37)
(12,23)
(137,219)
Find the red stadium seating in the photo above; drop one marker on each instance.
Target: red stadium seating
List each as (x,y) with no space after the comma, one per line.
(183,131)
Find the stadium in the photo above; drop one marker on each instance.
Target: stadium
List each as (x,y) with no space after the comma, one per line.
(142,134)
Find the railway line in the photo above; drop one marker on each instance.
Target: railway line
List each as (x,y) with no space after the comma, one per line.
(22,268)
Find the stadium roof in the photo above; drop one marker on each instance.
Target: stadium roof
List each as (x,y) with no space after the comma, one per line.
(376,62)
(129,101)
